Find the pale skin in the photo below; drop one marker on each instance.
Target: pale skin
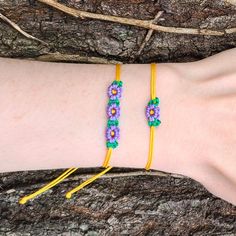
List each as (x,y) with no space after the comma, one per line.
(53,116)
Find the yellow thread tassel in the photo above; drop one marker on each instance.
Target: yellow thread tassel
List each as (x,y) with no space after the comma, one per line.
(48,186)
(69,194)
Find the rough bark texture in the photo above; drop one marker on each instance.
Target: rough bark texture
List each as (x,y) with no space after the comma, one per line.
(131,205)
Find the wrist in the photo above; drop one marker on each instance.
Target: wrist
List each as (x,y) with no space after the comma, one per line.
(170,90)
(134,142)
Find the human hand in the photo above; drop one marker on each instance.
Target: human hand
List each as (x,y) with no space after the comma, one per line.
(197,137)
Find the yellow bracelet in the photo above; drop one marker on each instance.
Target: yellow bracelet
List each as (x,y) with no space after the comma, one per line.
(152,114)
(116,86)
(112,131)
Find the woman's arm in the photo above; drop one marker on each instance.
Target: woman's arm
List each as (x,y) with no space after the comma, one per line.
(53,116)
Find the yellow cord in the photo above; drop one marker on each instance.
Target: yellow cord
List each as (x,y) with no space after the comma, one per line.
(48,186)
(107,158)
(69,194)
(118,69)
(150,153)
(153,80)
(152,128)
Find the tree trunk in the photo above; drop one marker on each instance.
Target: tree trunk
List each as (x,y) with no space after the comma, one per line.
(126,201)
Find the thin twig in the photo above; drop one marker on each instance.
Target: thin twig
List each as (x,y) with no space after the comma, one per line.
(83,177)
(148,36)
(135,22)
(16,27)
(128,174)
(56,57)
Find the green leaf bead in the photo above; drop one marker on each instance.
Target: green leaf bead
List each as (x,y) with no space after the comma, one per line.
(116,101)
(112,145)
(154,101)
(112,122)
(157,122)
(150,123)
(118,83)
(154,123)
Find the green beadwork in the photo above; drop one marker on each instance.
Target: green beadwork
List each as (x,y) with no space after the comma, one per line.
(116,101)
(154,123)
(112,145)
(119,83)
(154,101)
(112,122)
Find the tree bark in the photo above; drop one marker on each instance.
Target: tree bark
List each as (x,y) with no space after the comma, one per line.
(126,201)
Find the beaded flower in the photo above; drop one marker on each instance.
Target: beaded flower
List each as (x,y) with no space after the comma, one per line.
(112,136)
(153,112)
(113,111)
(115,90)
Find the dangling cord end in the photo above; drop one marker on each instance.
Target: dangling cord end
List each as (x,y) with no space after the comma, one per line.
(69,194)
(48,186)
(23,200)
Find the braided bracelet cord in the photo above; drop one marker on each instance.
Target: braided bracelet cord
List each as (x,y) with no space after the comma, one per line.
(112,130)
(152,114)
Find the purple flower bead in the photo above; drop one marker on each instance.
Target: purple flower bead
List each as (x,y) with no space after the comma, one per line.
(113,111)
(112,133)
(152,112)
(114,91)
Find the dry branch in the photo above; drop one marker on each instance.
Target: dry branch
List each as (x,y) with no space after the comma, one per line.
(148,24)
(16,27)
